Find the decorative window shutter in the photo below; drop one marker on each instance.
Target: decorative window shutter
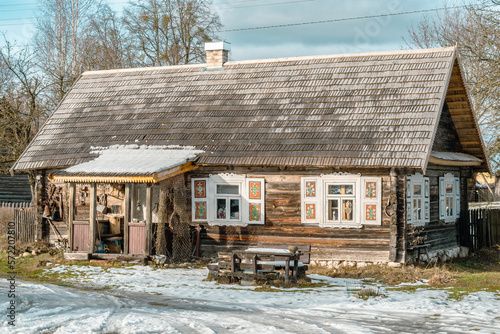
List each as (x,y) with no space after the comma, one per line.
(310,194)
(457,196)
(427,211)
(199,198)
(409,201)
(442,201)
(255,200)
(371,192)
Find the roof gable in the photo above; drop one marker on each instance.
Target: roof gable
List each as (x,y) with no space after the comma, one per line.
(363,110)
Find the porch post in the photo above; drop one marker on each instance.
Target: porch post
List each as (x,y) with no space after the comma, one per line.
(92,217)
(149,228)
(71,214)
(126,218)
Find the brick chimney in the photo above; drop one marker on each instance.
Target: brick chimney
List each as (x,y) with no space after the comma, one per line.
(217,53)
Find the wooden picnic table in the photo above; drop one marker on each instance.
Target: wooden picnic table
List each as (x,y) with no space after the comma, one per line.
(256,255)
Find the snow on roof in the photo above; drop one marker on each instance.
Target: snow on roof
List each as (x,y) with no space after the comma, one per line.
(134,159)
(455,156)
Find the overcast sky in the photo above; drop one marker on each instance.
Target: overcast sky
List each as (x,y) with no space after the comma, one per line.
(345,36)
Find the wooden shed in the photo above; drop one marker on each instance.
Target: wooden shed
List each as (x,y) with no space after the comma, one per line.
(345,153)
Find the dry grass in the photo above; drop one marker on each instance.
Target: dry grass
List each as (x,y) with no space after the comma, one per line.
(6,216)
(479,272)
(388,275)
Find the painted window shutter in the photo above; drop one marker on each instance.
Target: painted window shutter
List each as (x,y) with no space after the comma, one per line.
(310,195)
(427,211)
(199,200)
(408,200)
(457,196)
(371,200)
(442,202)
(255,200)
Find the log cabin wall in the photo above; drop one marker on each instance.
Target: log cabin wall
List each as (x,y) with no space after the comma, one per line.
(283,219)
(440,235)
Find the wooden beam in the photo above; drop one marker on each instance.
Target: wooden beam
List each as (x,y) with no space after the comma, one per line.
(71,214)
(92,217)
(149,229)
(126,217)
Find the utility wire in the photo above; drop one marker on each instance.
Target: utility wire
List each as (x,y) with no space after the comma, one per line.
(220,8)
(343,19)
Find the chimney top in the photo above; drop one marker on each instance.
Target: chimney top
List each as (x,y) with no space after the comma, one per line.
(217,54)
(215,46)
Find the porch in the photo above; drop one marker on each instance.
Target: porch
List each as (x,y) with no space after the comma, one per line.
(117,208)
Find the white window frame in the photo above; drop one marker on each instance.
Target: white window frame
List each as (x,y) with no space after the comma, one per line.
(245,200)
(446,212)
(315,200)
(412,215)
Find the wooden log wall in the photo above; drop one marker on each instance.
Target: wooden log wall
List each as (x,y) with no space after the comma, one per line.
(441,235)
(283,219)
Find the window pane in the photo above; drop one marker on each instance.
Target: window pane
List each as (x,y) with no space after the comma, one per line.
(340,189)
(334,189)
(234,212)
(417,209)
(228,189)
(221,208)
(347,208)
(449,188)
(348,189)
(417,189)
(449,206)
(333,209)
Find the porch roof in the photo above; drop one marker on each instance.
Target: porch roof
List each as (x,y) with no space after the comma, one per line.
(131,163)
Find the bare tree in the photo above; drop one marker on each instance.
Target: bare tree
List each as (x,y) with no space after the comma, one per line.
(475,29)
(171,32)
(62,33)
(22,106)
(109,46)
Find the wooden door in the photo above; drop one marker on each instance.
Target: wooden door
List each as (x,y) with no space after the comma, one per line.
(80,236)
(137,238)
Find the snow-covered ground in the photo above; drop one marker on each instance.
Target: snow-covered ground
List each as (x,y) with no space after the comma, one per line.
(140,299)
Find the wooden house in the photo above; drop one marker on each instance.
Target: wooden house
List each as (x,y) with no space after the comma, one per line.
(341,152)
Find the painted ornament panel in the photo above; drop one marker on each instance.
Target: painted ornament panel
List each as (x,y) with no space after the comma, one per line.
(255,212)
(200,189)
(371,212)
(310,188)
(201,210)
(371,189)
(254,190)
(310,211)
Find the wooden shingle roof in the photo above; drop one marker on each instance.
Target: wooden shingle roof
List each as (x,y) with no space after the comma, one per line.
(366,110)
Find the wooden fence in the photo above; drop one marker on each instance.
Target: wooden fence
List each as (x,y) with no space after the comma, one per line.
(482,229)
(25,221)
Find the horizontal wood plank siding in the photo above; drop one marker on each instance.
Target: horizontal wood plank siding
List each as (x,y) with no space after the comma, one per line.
(283,223)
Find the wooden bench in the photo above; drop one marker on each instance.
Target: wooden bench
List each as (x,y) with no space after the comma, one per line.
(421,250)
